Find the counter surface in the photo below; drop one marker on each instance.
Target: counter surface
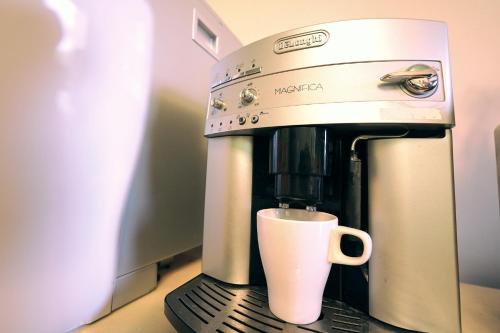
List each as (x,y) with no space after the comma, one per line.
(480,305)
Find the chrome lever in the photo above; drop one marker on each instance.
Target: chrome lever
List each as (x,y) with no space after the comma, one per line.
(406,75)
(417,80)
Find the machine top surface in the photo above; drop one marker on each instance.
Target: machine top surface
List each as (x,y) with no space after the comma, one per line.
(363,72)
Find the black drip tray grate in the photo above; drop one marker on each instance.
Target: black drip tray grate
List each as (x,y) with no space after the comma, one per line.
(207,305)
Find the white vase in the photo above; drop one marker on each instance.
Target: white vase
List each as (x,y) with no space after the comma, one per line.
(74,82)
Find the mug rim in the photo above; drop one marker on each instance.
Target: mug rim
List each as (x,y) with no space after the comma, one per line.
(262,213)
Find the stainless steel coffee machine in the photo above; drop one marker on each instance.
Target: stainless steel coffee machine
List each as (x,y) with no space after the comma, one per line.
(352,118)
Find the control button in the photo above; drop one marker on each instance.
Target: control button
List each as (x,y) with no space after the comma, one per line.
(253,71)
(248,95)
(242,120)
(217,103)
(237,76)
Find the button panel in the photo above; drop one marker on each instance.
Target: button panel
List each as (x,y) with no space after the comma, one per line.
(253,71)
(321,95)
(238,75)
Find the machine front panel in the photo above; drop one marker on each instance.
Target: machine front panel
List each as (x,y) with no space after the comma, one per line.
(335,94)
(362,72)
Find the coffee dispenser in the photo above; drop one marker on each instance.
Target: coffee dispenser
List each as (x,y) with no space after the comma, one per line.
(352,118)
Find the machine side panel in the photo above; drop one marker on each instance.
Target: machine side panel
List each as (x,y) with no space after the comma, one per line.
(228,202)
(413,273)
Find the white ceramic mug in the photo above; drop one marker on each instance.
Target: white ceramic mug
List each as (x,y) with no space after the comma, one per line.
(297,248)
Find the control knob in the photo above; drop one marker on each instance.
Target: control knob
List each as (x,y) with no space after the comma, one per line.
(217,103)
(248,95)
(417,81)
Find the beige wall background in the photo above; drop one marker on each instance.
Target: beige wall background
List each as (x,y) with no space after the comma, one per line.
(474,38)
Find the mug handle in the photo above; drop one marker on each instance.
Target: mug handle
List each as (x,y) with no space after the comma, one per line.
(335,254)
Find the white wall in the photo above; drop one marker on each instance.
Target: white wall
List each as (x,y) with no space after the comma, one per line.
(474,31)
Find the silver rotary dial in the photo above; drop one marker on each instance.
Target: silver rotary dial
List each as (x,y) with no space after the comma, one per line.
(217,103)
(248,95)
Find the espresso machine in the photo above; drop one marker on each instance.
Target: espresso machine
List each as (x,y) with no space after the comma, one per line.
(351,118)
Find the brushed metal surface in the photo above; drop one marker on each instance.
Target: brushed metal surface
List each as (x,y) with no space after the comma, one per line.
(228,202)
(337,94)
(413,273)
(351,41)
(347,67)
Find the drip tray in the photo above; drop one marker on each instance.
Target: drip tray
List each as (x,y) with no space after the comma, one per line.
(208,305)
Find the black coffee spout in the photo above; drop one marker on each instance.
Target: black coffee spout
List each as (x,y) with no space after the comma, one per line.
(299,161)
